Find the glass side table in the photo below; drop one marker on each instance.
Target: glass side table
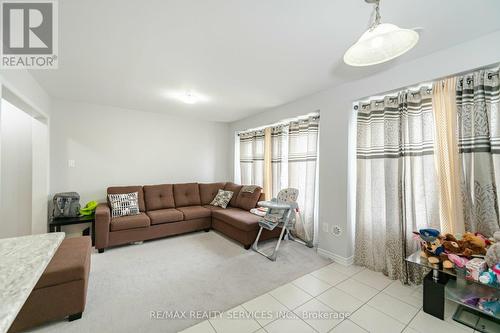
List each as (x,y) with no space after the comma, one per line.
(442,283)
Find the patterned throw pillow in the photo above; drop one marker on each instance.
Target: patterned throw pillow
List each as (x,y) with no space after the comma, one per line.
(124,204)
(222,198)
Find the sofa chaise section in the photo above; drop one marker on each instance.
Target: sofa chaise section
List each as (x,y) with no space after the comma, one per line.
(236,221)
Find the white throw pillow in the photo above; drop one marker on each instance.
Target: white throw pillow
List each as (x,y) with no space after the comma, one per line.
(222,198)
(124,204)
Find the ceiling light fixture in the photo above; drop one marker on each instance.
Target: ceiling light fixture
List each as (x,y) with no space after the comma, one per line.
(380,43)
(187,96)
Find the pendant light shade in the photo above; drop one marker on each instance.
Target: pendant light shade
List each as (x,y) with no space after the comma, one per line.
(381,43)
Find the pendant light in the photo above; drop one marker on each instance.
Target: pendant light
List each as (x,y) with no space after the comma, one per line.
(380,43)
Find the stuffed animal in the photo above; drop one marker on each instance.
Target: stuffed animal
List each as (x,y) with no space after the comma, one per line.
(488,277)
(431,246)
(458,261)
(493,254)
(496,269)
(456,246)
(452,245)
(475,244)
(484,238)
(453,249)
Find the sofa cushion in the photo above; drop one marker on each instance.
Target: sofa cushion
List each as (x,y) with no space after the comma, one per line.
(129,189)
(248,200)
(69,263)
(124,204)
(165,215)
(238,218)
(209,191)
(159,196)
(222,198)
(130,222)
(212,208)
(195,212)
(236,190)
(186,195)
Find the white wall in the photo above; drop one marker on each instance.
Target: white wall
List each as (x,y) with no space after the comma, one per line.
(335,105)
(114,146)
(16,172)
(40,175)
(20,89)
(23,86)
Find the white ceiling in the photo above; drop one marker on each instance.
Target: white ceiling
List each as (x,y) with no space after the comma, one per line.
(245,55)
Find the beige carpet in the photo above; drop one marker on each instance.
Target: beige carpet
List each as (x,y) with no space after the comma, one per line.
(199,271)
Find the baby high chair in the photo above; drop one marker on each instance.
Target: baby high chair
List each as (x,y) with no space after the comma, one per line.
(280,213)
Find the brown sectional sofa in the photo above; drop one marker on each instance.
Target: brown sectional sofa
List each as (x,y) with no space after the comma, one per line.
(172,209)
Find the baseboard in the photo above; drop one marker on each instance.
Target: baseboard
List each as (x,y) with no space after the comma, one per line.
(335,257)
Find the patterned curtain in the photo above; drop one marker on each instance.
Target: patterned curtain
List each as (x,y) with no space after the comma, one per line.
(294,164)
(279,158)
(302,169)
(252,157)
(396,181)
(478,101)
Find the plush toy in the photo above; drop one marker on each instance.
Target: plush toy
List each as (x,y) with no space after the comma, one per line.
(496,269)
(452,245)
(475,244)
(431,246)
(490,305)
(493,254)
(487,242)
(474,268)
(459,262)
(488,277)
(454,250)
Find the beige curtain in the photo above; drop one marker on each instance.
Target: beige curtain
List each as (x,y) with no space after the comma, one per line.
(446,156)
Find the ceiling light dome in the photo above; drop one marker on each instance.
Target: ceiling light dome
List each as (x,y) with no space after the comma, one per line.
(381,43)
(190,98)
(187,96)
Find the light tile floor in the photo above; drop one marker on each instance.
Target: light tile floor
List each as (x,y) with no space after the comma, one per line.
(375,303)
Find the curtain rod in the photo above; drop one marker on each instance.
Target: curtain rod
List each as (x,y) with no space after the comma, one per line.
(493,66)
(393,93)
(281,122)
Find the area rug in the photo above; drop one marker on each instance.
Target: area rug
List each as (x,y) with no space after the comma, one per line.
(195,272)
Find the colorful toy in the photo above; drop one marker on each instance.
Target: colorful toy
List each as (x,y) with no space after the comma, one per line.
(496,269)
(488,277)
(459,262)
(493,254)
(431,246)
(490,305)
(475,268)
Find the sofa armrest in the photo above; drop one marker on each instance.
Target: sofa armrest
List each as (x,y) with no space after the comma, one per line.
(262,197)
(102,222)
